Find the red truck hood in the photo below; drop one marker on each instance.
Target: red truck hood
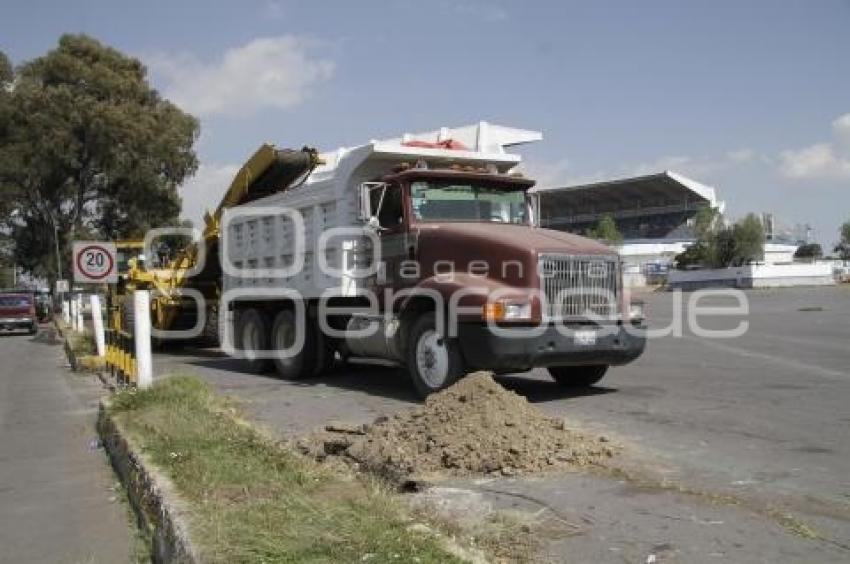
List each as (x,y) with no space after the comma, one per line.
(536,239)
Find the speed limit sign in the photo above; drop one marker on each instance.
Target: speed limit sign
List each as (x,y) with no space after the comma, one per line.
(95,262)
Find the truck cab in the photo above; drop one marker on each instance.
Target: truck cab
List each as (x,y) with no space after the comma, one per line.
(515,296)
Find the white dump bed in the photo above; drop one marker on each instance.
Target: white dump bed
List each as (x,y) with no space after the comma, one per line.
(258,245)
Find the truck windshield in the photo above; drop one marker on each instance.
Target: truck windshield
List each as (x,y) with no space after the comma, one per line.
(467,201)
(14,301)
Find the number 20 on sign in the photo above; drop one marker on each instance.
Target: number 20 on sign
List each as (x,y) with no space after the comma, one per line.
(95,262)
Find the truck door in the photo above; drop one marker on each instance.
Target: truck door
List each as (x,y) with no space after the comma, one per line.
(387,202)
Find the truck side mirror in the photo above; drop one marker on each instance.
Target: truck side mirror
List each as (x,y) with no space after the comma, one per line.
(533,204)
(365,203)
(369,208)
(366,189)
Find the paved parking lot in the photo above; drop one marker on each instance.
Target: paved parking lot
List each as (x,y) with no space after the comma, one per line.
(764,417)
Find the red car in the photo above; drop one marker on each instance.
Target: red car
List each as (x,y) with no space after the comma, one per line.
(17,311)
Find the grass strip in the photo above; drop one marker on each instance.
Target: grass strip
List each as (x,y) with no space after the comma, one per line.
(81,343)
(252,500)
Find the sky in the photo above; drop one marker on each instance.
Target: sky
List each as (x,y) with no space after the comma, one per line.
(751,97)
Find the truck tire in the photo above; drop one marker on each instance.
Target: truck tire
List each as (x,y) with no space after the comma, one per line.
(252,335)
(578,376)
(325,353)
(211,330)
(302,364)
(33,329)
(433,362)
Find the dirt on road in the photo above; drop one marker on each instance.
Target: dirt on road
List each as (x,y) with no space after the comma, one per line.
(473,427)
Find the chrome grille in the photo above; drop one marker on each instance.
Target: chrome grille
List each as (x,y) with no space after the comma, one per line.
(579,286)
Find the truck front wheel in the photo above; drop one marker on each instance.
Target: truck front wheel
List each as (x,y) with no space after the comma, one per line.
(253,336)
(578,376)
(433,361)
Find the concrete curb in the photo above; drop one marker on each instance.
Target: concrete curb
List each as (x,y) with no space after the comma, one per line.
(58,327)
(151,494)
(79,363)
(69,353)
(104,379)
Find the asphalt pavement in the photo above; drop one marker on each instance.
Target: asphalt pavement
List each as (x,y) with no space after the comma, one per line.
(58,501)
(746,439)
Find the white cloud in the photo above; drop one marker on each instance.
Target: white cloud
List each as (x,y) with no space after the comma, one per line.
(841,131)
(486,11)
(822,161)
(275,10)
(562,173)
(496,14)
(816,162)
(742,156)
(269,72)
(698,166)
(204,191)
(555,174)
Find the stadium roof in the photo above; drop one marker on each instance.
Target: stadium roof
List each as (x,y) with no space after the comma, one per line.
(641,195)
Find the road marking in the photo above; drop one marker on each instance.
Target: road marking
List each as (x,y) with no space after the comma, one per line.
(812,343)
(746,353)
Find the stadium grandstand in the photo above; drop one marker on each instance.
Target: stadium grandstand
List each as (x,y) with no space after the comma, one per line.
(655,213)
(652,207)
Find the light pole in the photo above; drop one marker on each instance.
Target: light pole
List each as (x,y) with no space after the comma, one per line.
(58,256)
(56,242)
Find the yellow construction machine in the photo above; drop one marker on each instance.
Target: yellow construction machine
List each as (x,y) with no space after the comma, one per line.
(269,170)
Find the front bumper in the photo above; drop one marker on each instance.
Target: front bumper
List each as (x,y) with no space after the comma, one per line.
(16,322)
(524,349)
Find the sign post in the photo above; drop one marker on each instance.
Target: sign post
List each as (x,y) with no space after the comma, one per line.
(72,304)
(95,262)
(80,325)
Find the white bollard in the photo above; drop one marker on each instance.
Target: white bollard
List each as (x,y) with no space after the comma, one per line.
(66,311)
(142,337)
(73,305)
(81,326)
(97,324)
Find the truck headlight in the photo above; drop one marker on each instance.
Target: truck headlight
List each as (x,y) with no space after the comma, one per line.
(506,311)
(636,311)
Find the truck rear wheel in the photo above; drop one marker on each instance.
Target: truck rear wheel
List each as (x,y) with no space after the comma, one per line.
(325,353)
(578,376)
(433,361)
(253,336)
(301,364)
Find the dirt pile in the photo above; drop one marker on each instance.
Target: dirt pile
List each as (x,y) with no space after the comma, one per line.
(474,427)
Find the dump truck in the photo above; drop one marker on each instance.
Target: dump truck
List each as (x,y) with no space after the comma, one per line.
(422,251)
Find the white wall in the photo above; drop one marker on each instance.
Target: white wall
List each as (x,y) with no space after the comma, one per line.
(642,252)
(777,253)
(755,276)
